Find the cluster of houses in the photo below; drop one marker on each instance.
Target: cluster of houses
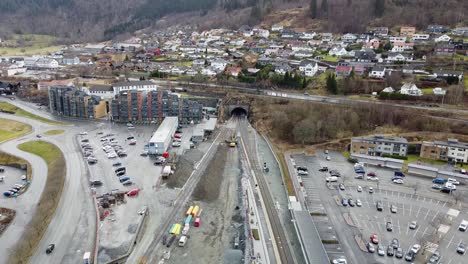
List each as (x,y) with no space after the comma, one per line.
(374,54)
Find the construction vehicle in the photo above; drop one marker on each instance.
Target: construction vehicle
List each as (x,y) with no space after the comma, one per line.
(232,141)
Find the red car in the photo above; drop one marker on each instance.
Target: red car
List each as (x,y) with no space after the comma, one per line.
(177,136)
(374,239)
(371,174)
(133,192)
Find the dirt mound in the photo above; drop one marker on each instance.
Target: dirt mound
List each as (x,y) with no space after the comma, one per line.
(208,188)
(6,217)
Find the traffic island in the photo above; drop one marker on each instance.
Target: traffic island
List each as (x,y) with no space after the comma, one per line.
(348,219)
(361,243)
(6,217)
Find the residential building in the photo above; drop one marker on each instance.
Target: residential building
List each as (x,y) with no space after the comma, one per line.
(71,102)
(277,28)
(445,49)
(343,71)
(388,90)
(219,64)
(379,145)
(460,31)
(436,29)
(234,71)
(366,55)
(46,63)
(377,72)
(71,60)
(445,74)
(381,31)
(451,150)
(308,68)
(45,85)
(420,37)
(103,91)
(134,85)
(337,51)
(399,56)
(407,31)
(350,38)
(410,89)
(443,38)
(438,91)
(397,39)
(402,46)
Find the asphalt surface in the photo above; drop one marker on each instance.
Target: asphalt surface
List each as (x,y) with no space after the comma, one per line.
(424,205)
(72,227)
(282,242)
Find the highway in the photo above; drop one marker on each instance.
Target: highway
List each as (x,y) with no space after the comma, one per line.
(282,243)
(72,227)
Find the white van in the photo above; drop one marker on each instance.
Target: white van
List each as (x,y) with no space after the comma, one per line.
(331,179)
(182,241)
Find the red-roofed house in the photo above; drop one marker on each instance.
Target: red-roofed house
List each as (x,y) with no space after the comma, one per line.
(45,85)
(233,71)
(343,71)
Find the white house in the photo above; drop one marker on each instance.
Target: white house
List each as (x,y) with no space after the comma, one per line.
(307,35)
(308,68)
(349,37)
(13,70)
(388,90)
(282,69)
(303,54)
(276,27)
(420,37)
(208,71)
(438,91)
(134,85)
(263,33)
(219,64)
(47,63)
(410,89)
(397,39)
(399,56)
(337,51)
(443,38)
(377,72)
(104,91)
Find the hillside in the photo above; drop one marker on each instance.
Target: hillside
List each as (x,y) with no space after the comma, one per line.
(76,20)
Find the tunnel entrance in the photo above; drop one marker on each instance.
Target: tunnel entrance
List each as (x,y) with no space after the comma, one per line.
(239,111)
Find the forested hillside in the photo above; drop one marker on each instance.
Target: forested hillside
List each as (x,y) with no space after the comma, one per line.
(97,19)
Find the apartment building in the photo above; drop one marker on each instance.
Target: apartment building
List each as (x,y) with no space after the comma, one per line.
(71,102)
(153,106)
(379,145)
(450,150)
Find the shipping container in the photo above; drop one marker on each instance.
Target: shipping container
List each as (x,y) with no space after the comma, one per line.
(189,211)
(197,222)
(171,230)
(188,219)
(178,229)
(195,210)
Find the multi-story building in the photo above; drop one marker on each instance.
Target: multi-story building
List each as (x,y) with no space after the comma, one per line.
(71,102)
(450,150)
(153,106)
(136,85)
(379,145)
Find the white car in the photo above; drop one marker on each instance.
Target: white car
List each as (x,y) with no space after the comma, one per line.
(331,179)
(176,144)
(112,155)
(2,178)
(415,248)
(463,226)
(23,177)
(328,158)
(450,186)
(359,188)
(84,133)
(398,181)
(177,139)
(453,181)
(372,178)
(340,260)
(358,203)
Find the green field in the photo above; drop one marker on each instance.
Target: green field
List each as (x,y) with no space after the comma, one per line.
(54,132)
(330,58)
(12,129)
(28,44)
(427,90)
(56,170)
(4,106)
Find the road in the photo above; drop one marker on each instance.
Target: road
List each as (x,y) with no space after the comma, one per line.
(72,227)
(282,243)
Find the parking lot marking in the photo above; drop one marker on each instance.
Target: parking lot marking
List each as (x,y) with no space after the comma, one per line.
(427,214)
(445,203)
(450,242)
(407,228)
(418,211)
(437,213)
(399,229)
(403,209)
(411,209)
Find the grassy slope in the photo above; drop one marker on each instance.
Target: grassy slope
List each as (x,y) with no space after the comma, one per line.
(11,129)
(54,132)
(4,106)
(29,44)
(48,201)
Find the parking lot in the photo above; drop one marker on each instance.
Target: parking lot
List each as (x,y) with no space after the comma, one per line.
(436,214)
(10,180)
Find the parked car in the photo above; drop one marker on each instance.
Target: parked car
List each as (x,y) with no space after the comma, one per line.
(389,226)
(413,225)
(453,181)
(176,144)
(399,253)
(96,183)
(435,257)
(409,256)
(370,247)
(372,178)
(398,181)
(371,174)
(393,208)
(127,182)
(371,190)
(436,186)
(328,158)
(124,178)
(358,203)
(461,248)
(463,225)
(344,202)
(144,153)
(117,163)
(177,136)
(351,202)
(395,243)
(8,194)
(341,186)
(415,248)
(83,133)
(323,169)
(331,179)
(359,188)
(50,248)
(159,161)
(133,192)
(374,238)
(390,251)
(379,206)
(380,250)
(438,181)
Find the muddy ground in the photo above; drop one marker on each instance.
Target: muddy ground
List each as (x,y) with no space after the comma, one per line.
(217,193)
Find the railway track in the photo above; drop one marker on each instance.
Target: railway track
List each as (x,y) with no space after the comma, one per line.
(282,243)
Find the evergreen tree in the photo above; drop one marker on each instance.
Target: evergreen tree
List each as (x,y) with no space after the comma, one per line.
(332,86)
(313,9)
(379,8)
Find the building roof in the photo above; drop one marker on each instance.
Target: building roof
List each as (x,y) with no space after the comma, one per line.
(314,249)
(132,83)
(451,142)
(101,88)
(380,138)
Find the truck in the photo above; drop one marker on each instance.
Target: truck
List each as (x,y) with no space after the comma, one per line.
(86,258)
(171,240)
(182,241)
(195,210)
(166,172)
(197,222)
(399,174)
(189,211)
(188,219)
